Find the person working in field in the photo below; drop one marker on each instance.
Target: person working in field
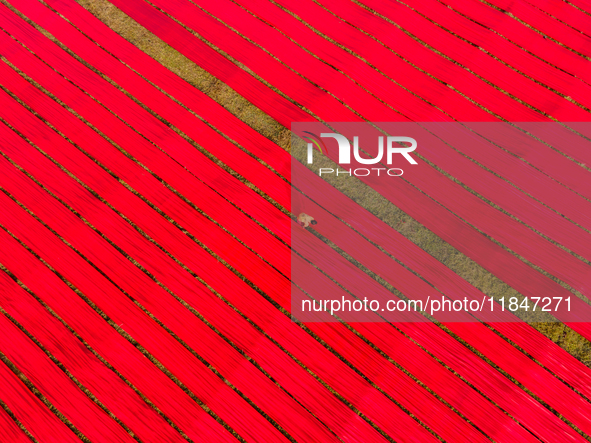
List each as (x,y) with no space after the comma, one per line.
(306,220)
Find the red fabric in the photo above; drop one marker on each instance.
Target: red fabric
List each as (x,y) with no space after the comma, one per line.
(88,369)
(558,72)
(553,68)
(55,385)
(10,429)
(566,12)
(202,382)
(120,229)
(392,63)
(191,125)
(582,5)
(128,360)
(490,187)
(502,235)
(56,154)
(491,345)
(542,157)
(276,106)
(30,411)
(542,22)
(30,197)
(56,151)
(202,339)
(419,218)
(126,113)
(213,272)
(211,260)
(536,258)
(444,184)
